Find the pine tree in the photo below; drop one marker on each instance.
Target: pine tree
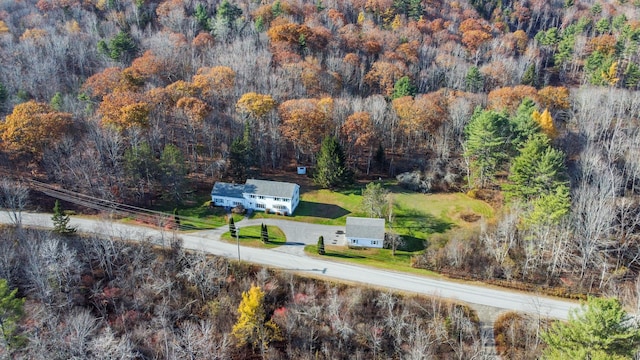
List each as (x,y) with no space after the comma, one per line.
(486,144)
(252,327)
(403,87)
(61,220)
(176,218)
(233,231)
(523,125)
(11,310)
(264,233)
(331,169)
(321,245)
(600,329)
(474,82)
(539,169)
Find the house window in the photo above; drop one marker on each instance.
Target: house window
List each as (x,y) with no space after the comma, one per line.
(218,201)
(280,207)
(261,197)
(260,206)
(236,203)
(374,242)
(252,196)
(354,241)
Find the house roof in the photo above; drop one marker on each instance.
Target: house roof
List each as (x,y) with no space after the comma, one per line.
(227,190)
(257,187)
(270,188)
(366,228)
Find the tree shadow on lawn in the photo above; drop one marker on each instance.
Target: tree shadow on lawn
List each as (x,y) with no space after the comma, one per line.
(327,211)
(343,256)
(416,221)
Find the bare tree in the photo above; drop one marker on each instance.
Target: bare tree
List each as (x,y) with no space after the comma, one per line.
(14,197)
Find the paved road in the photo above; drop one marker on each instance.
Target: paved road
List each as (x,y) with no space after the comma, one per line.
(292,257)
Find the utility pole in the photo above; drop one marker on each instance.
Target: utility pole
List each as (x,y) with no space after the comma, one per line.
(238,242)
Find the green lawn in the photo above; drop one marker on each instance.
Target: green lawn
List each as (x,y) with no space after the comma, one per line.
(250,236)
(379,258)
(204,217)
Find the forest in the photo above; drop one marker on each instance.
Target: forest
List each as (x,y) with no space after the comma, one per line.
(529,105)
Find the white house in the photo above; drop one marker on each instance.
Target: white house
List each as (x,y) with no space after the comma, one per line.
(365,232)
(260,195)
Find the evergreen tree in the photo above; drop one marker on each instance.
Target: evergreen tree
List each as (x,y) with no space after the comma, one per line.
(252,328)
(228,13)
(264,233)
(486,145)
(474,82)
(173,172)
(523,125)
(241,156)
(56,101)
(233,231)
(321,245)
(331,169)
(176,218)
(530,77)
(11,310)
(61,220)
(539,169)
(403,87)
(203,18)
(601,329)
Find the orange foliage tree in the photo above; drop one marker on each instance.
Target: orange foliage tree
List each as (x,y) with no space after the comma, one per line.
(421,116)
(123,110)
(108,81)
(554,97)
(509,98)
(305,122)
(359,133)
(214,80)
(32,126)
(383,76)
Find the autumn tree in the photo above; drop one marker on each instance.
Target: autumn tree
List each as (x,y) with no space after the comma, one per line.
(305,122)
(254,105)
(360,134)
(509,98)
(217,80)
(546,123)
(123,110)
(32,127)
(252,327)
(600,329)
(11,311)
(331,170)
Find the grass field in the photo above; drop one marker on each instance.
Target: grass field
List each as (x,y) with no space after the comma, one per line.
(379,258)
(250,236)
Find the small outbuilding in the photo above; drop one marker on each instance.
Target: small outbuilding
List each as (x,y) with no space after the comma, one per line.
(365,232)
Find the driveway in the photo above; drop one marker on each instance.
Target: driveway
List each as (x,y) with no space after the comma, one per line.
(300,234)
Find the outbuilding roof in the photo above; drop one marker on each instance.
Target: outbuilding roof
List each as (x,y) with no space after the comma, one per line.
(365,228)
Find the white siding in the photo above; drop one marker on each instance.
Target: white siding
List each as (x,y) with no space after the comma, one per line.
(367,243)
